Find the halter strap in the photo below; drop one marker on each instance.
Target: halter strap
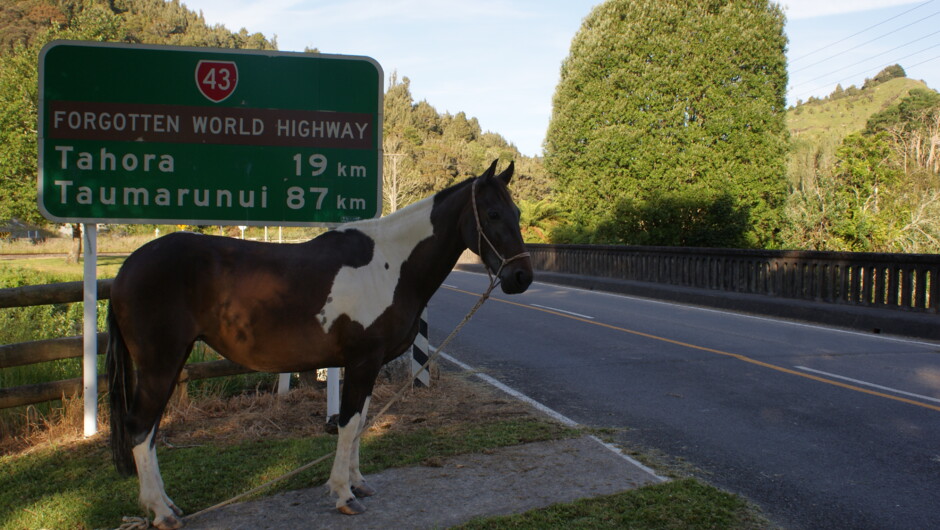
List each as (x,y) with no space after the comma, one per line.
(481,236)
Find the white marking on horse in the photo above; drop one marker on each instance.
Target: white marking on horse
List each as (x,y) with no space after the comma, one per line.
(355,476)
(152,493)
(364,293)
(339,475)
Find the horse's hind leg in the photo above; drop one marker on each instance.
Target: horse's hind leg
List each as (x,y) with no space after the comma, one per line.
(357,482)
(157,372)
(152,493)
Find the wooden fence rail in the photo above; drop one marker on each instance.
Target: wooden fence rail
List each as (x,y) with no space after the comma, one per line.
(33,352)
(896,281)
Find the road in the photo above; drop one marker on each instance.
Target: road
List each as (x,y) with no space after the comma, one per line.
(822,428)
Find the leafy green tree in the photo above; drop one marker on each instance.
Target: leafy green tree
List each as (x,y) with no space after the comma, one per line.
(690,218)
(662,98)
(866,203)
(427,151)
(41,21)
(887,74)
(537,219)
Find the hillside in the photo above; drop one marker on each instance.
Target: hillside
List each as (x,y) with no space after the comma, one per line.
(818,126)
(841,116)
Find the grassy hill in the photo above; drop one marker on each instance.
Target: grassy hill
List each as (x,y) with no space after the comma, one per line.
(847,114)
(818,126)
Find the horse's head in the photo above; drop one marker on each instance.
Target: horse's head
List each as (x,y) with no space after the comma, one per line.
(492,232)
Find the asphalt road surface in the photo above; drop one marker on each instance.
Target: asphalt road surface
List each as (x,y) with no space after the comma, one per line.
(822,428)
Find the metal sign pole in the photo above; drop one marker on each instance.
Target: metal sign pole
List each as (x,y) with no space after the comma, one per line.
(90,358)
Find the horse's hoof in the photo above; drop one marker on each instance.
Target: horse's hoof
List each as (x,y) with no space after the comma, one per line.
(352,507)
(167,523)
(363,490)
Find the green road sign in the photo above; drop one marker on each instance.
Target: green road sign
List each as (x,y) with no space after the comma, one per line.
(163,134)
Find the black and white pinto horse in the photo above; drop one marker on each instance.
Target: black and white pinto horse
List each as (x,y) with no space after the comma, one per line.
(350,298)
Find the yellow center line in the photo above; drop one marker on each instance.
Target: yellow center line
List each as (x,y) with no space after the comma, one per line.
(737,356)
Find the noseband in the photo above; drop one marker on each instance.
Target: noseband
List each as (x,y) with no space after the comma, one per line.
(482,237)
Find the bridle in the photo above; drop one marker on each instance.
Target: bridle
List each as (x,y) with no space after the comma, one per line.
(481,236)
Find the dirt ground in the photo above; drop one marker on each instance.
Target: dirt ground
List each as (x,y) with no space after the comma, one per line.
(302,412)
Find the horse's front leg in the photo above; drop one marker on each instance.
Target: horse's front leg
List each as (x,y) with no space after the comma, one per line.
(345,479)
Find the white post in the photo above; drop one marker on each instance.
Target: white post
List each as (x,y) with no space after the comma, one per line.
(332,392)
(90,331)
(283,383)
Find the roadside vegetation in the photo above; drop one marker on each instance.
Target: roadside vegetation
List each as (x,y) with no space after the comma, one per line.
(232,434)
(214,448)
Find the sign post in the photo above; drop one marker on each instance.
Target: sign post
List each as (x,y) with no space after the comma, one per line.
(203,136)
(90,329)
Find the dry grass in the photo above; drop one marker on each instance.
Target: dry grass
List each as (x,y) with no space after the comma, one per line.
(218,421)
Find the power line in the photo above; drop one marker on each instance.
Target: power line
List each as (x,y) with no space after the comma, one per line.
(925,61)
(867,59)
(866,42)
(859,32)
(876,69)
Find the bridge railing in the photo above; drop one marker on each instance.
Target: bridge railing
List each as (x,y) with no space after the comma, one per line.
(896,281)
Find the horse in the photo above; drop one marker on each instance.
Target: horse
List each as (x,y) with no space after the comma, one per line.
(351,297)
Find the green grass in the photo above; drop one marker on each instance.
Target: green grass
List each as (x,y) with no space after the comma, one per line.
(52,270)
(77,487)
(841,117)
(817,129)
(685,503)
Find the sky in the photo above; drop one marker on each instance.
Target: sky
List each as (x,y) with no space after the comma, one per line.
(499,60)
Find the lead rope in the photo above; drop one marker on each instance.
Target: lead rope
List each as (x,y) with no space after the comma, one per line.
(142,523)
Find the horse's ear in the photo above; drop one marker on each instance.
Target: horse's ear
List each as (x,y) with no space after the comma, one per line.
(506,175)
(488,174)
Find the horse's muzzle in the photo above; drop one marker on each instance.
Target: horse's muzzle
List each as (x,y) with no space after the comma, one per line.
(516,278)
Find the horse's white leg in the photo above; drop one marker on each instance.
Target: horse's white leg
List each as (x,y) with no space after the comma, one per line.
(152,494)
(359,486)
(339,476)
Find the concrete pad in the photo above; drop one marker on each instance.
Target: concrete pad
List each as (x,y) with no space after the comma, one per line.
(504,481)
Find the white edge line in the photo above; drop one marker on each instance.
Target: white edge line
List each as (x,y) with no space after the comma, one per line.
(866,383)
(561,418)
(562,311)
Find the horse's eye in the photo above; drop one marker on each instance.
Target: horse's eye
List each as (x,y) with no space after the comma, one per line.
(493,214)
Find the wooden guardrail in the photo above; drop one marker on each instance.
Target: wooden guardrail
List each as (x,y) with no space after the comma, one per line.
(24,353)
(896,281)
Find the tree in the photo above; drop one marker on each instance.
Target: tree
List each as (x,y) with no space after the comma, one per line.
(661,98)
(426,151)
(887,74)
(146,21)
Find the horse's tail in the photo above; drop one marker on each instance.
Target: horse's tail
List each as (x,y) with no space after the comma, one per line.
(120,385)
